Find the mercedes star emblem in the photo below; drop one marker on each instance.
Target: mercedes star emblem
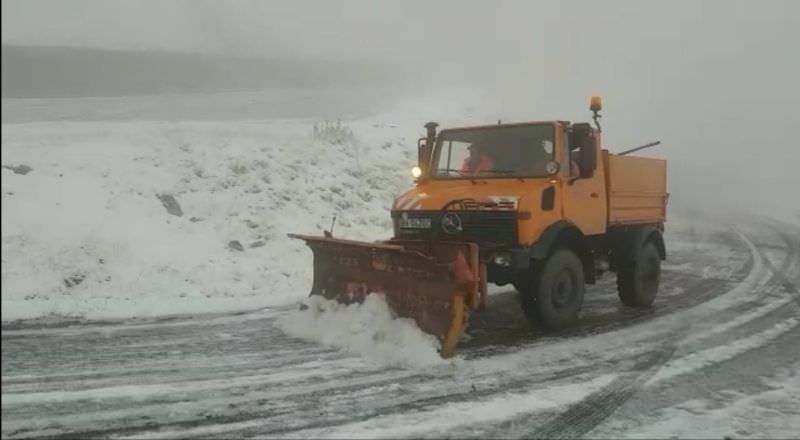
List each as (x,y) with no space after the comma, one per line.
(451,223)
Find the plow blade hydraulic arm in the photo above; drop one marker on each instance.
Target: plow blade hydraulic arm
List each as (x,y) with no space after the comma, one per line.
(435,284)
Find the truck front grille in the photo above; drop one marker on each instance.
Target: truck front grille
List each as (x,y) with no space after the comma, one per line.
(480,226)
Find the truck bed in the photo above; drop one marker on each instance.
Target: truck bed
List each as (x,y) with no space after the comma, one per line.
(636,189)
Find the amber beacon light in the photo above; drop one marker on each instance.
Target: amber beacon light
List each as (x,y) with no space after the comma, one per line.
(595,104)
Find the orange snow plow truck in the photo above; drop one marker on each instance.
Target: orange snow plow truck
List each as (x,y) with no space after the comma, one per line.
(538,205)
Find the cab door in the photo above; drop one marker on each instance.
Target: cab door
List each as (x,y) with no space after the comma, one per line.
(584,195)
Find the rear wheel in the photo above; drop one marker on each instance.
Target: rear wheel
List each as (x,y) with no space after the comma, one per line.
(554,296)
(638,280)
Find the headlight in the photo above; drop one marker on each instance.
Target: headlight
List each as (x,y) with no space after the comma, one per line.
(416,172)
(502,259)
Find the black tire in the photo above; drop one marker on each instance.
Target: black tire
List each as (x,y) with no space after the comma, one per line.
(527,296)
(555,296)
(638,280)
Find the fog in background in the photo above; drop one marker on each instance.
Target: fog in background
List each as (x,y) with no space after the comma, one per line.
(715,81)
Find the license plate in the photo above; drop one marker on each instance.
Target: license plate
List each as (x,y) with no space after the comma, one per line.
(415,223)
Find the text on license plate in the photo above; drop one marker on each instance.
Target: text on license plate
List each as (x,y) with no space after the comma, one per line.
(415,223)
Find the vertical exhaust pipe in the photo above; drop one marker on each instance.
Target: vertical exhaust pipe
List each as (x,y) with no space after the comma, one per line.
(431,128)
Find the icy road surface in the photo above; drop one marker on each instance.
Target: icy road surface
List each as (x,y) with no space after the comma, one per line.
(717,356)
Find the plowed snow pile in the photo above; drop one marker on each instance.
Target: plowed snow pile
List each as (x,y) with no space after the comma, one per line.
(369,328)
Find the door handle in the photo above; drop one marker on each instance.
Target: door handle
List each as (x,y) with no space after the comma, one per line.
(593,195)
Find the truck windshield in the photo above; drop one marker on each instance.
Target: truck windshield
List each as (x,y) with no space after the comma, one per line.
(510,151)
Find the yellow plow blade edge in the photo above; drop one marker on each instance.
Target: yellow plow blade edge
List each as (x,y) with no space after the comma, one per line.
(435,284)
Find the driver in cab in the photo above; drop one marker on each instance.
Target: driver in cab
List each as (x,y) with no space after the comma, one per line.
(478,160)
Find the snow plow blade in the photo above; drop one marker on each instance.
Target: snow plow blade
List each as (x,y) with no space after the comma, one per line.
(435,284)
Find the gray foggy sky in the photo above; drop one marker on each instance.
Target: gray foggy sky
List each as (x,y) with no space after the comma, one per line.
(716,81)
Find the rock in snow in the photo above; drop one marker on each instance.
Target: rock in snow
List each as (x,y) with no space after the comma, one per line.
(19,169)
(169,202)
(235,245)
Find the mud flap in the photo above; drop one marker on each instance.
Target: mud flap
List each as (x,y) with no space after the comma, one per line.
(435,284)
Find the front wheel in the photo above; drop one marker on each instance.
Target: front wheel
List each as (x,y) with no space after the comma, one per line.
(555,296)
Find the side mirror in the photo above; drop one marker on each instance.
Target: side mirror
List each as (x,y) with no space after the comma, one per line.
(588,157)
(425,151)
(423,156)
(582,139)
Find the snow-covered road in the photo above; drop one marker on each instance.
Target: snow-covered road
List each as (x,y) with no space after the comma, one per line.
(717,356)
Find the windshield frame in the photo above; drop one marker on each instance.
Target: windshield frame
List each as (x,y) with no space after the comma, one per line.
(438,149)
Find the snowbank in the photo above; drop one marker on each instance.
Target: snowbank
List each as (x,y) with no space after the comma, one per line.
(88,231)
(369,329)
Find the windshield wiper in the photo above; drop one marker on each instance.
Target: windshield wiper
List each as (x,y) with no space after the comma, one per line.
(474,177)
(448,170)
(504,172)
(498,171)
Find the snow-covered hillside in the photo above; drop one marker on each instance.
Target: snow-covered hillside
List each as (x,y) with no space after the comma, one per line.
(88,230)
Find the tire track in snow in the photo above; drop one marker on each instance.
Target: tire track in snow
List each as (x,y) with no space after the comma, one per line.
(778,314)
(302,405)
(283,409)
(173,373)
(569,425)
(77,327)
(696,289)
(293,413)
(584,416)
(420,419)
(509,385)
(299,410)
(718,377)
(696,361)
(786,280)
(415,402)
(768,305)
